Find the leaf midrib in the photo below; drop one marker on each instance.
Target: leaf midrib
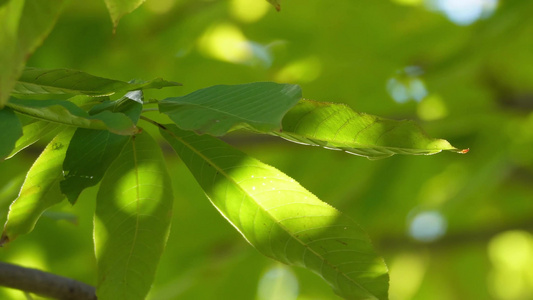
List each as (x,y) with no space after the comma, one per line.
(221,171)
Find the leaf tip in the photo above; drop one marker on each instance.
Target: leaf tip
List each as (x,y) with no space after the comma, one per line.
(464,151)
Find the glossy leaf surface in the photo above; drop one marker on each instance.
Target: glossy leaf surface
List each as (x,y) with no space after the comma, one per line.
(10,131)
(64,81)
(67,113)
(338,127)
(23,27)
(218,109)
(40,189)
(132,220)
(280,218)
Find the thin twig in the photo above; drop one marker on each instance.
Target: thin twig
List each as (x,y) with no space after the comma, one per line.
(44,284)
(153,122)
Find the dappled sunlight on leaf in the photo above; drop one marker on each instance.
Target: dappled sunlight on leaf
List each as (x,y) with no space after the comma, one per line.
(337,127)
(280,218)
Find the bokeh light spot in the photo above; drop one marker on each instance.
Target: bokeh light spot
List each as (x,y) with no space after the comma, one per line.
(511,254)
(432,108)
(406,272)
(160,6)
(427,226)
(278,283)
(248,11)
(225,42)
(464,12)
(406,85)
(302,70)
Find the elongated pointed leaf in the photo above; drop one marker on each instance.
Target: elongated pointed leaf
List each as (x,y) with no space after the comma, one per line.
(132,221)
(218,109)
(280,218)
(10,131)
(40,189)
(67,113)
(119,8)
(92,151)
(71,82)
(23,27)
(34,132)
(338,127)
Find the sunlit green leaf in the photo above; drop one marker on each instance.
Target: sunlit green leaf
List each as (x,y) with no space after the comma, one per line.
(23,27)
(338,127)
(132,220)
(10,131)
(88,157)
(218,109)
(34,132)
(64,81)
(67,113)
(119,8)
(40,189)
(280,218)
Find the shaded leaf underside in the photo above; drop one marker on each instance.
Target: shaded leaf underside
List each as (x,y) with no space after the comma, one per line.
(67,113)
(10,131)
(35,81)
(282,219)
(215,110)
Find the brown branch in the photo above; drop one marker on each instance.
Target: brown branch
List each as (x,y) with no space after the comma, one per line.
(44,284)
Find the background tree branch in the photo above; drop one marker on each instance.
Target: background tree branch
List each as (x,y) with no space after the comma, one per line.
(44,284)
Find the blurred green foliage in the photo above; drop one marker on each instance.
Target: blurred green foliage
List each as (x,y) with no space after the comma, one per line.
(470,84)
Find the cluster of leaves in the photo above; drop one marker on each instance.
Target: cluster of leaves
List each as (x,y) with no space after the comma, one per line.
(97,140)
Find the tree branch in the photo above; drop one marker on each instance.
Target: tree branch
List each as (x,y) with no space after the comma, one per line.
(44,284)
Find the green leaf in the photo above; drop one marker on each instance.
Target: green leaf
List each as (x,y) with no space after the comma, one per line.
(276,4)
(88,157)
(119,8)
(280,218)
(23,27)
(133,213)
(218,109)
(131,105)
(67,113)
(10,131)
(338,127)
(63,81)
(40,189)
(34,132)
